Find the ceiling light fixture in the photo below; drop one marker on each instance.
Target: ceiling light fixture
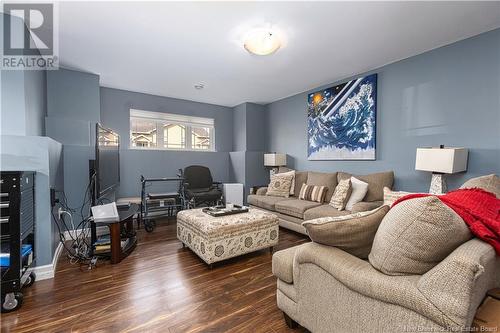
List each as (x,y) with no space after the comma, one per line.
(262,42)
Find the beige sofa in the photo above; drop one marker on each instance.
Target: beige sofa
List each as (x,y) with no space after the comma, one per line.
(292,211)
(326,289)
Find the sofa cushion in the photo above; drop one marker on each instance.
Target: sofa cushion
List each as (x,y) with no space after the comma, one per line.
(324,211)
(490,183)
(300,178)
(416,235)
(352,233)
(364,206)
(280,185)
(323,179)
(264,201)
(391,196)
(341,194)
(291,222)
(282,265)
(295,207)
(376,183)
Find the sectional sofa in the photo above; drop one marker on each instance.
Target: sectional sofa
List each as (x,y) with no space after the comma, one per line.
(292,211)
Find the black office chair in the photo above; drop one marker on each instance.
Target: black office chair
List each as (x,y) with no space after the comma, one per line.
(199,187)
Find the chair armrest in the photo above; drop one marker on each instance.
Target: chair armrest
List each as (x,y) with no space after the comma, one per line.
(364,206)
(458,284)
(217,185)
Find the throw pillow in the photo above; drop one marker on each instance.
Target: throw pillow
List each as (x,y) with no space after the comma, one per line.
(328,179)
(292,173)
(391,196)
(352,233)
(490,183)
(313,193)
(280,185)
(416,235)
(341,194)
(359,189)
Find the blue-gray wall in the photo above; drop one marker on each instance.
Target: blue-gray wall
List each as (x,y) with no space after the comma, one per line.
(239,127)
(250,141)
(115,114)
(42,155)
(449,96)
(23,103)
(24,148)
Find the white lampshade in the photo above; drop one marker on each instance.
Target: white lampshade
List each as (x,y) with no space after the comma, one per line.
(441,160)
(274,159)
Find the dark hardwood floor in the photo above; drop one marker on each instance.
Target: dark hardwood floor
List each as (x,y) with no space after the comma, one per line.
(160,287)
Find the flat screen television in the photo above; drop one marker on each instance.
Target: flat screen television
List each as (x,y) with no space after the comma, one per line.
(107,163)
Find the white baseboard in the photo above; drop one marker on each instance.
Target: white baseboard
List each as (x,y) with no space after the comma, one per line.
(48,271)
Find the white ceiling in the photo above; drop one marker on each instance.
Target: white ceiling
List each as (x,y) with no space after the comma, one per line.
(165,48)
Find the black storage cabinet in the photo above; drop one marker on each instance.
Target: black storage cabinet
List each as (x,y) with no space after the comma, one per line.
(17,229)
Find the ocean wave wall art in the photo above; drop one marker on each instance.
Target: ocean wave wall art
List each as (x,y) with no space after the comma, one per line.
(342,121)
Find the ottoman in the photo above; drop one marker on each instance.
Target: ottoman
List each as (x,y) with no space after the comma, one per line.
(215,239)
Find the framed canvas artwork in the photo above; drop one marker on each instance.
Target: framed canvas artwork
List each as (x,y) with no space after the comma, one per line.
(341,121)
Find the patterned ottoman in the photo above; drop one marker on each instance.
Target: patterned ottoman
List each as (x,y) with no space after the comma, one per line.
(217,238)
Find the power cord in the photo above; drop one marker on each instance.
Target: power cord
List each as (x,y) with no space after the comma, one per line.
(78,251)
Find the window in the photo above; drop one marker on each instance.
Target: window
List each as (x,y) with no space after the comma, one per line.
(174,136)
(200,137)
(143,133)
(157,130)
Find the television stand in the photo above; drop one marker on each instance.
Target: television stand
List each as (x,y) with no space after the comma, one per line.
(118,252)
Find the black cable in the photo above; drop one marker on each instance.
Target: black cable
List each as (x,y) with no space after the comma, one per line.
(78,241)
(61,235)
(101,199)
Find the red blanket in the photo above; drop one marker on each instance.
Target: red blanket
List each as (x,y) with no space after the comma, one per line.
(479,209)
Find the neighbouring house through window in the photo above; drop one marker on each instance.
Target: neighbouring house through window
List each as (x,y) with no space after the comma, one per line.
(158,130)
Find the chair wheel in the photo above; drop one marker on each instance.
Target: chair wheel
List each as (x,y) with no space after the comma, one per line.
(12,301)
(150,226)
(30,280)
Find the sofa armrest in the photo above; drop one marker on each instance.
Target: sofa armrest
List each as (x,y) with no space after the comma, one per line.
(352,271)
(282,263)
(458,284)
(413,292)
(364,206)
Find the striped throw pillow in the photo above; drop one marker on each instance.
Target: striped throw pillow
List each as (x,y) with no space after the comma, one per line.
(313,193)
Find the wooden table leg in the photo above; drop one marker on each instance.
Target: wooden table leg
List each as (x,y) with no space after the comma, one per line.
(129,224)
(114,229)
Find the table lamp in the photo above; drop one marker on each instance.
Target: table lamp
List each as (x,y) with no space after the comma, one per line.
(441,161)
(274,160)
